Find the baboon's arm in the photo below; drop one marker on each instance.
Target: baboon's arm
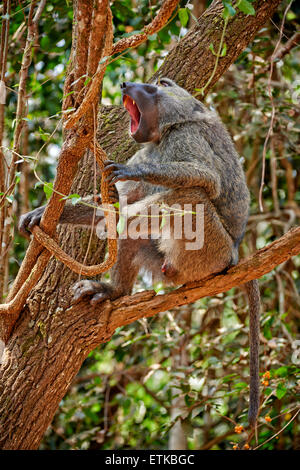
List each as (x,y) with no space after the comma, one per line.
(79,214)
(169,174)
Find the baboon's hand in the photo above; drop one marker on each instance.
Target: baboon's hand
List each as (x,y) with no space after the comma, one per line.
(29,220)
(119,172)
(98,291)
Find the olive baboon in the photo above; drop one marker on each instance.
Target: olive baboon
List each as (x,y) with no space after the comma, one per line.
(188,159)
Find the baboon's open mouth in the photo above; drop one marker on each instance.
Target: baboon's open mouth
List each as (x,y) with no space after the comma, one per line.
(134,112)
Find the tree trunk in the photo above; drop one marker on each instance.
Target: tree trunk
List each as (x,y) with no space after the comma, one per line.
(49,343)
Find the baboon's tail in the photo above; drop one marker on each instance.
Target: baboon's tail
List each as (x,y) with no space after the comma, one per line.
(253,294)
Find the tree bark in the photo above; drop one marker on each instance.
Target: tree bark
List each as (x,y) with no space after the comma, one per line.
(50,340)
(194,48)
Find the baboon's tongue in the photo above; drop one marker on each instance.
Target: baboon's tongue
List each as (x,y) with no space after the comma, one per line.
(134,112)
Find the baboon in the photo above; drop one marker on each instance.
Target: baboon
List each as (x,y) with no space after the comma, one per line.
(188,158)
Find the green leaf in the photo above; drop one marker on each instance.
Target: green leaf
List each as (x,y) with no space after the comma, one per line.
(240,385)
(211,48)
(163,222)
(158,287)
(228,377)
(48,189)
(281,371)
(280,391)
(45,43)
(183,14)
(121,224)
(97,380)
(75,199)
(267,391)
(18,177)
(87,81)
(228,10)
(68,94)
(224,50)
(246,7)
(267,332)
(44,135)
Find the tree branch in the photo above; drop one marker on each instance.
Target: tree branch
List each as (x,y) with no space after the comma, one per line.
(194,48)
(146,304)
(159,22)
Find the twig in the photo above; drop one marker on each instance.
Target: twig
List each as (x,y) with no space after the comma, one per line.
(53,248)
(279,432)
(218,55)
(84,14)
(98,25)
(208,445)
(20,114)
(94,193)
(94,84)
(3,162)
(158,23)
(273,171)
(292,42)
(270,130)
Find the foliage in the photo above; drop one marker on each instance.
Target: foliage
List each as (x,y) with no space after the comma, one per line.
(189,364)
